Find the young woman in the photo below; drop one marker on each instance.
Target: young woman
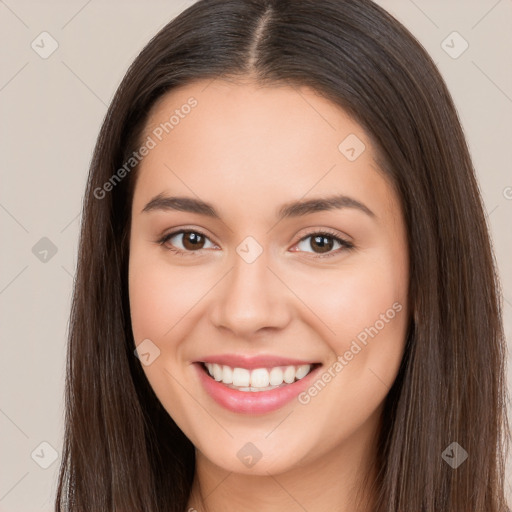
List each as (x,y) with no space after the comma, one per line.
(286,297)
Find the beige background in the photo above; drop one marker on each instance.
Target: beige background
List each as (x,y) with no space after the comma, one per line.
(51,111)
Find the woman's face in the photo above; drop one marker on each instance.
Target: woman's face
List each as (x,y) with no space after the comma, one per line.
(294,259)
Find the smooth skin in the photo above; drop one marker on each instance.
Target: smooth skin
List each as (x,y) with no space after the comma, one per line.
(249,150)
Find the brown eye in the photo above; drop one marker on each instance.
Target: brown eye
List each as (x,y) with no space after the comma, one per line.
(192,240)
(322,243)
(186,242)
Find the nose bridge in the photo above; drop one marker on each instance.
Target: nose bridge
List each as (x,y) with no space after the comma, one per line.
(251,296)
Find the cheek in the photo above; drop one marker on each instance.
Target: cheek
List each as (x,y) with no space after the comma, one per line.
(351,299)
(361,311)
(160,294)
(366,301)
(366,307)
(160,298)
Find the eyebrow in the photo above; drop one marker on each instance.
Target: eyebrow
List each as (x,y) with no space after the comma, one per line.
(292,209)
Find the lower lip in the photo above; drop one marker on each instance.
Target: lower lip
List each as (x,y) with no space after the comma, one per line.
(253,402)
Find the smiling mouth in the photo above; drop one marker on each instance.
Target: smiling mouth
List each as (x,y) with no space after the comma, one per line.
(258,379)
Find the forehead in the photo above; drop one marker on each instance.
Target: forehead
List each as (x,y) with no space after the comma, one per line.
(255,146)
(222,106)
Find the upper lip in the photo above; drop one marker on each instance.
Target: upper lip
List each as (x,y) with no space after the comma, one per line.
(252,362)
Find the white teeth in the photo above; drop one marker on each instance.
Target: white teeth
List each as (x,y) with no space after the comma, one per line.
(217,372)
(259,379)
(276,377)
(227,374)
(289,374)
(241,377)
(302,371)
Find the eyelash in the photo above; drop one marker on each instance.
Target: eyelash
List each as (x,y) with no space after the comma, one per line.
(326,232)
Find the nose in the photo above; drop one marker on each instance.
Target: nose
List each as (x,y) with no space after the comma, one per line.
(251,299)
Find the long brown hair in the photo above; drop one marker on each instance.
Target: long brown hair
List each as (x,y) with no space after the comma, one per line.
(122,451)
